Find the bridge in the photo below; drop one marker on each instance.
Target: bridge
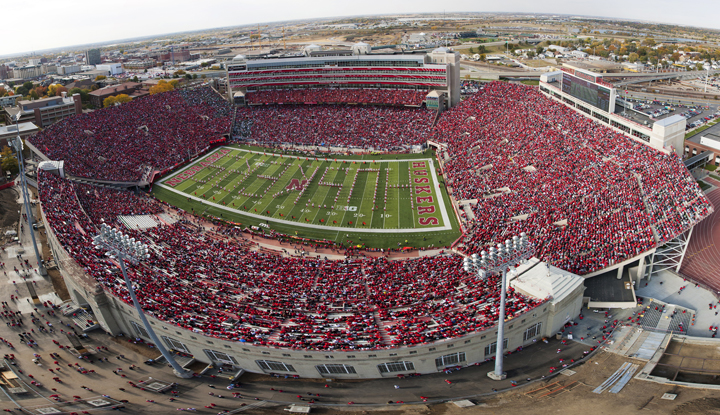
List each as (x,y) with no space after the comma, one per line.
(637,78)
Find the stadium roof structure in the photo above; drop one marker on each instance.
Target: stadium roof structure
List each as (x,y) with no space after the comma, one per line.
(544,281)
(670,120)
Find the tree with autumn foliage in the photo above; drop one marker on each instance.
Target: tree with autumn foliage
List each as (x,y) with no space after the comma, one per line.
(8,161)
(122,99)
(163,86)
(56,90)
(116,100)
(40,90)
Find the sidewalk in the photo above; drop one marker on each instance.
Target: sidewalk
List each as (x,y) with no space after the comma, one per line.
(666,288)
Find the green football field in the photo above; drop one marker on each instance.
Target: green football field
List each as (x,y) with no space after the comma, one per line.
(379,201)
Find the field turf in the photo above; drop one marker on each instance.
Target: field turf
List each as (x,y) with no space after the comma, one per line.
(377,201)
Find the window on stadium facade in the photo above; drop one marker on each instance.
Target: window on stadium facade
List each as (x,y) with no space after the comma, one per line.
(450,359)
(601,117)
(641,136)
(221,357)
(532,331)
(395,367)
(622,127)
(271,366)
(491,349)
(335,369)
(175,344)
(140,330)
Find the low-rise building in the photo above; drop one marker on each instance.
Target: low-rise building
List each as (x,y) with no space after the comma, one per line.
(10,131)
(110,68)
(46,111)
(8,101)
(68,69)
(711,140)
(27,72)
(80,83)
(129,88)
(175,55)
(138,65)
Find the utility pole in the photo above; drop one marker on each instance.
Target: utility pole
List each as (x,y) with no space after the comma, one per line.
(707,81)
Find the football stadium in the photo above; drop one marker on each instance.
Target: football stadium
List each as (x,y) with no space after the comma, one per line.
(313,220)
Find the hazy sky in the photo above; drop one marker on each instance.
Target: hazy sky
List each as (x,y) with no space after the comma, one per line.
(43,24)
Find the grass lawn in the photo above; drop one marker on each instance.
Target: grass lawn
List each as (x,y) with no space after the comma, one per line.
(703,185)
(701,129)
(537,63)
(375,200)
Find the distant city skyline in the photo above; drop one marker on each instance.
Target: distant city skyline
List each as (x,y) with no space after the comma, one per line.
(47,24)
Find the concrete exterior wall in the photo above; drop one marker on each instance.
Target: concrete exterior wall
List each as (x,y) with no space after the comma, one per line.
(564,310)
(672,135)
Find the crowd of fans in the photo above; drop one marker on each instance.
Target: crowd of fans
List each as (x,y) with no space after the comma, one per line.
(588,196)
(217,286)
(120,143)
(337,96)
(378,127)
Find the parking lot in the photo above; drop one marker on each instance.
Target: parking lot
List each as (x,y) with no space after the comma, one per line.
(647,111)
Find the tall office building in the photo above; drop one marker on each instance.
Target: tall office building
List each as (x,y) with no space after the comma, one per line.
(92,56)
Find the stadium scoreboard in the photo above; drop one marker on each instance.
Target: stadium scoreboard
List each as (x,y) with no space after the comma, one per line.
(586,88)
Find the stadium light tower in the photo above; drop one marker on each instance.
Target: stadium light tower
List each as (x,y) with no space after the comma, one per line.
(499,260)
(18,145)
(123,248)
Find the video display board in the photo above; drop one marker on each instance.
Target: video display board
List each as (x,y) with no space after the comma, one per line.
(586,91)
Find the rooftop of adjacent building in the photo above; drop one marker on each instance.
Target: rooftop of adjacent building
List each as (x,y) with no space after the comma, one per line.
(23,127)
(113,89)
